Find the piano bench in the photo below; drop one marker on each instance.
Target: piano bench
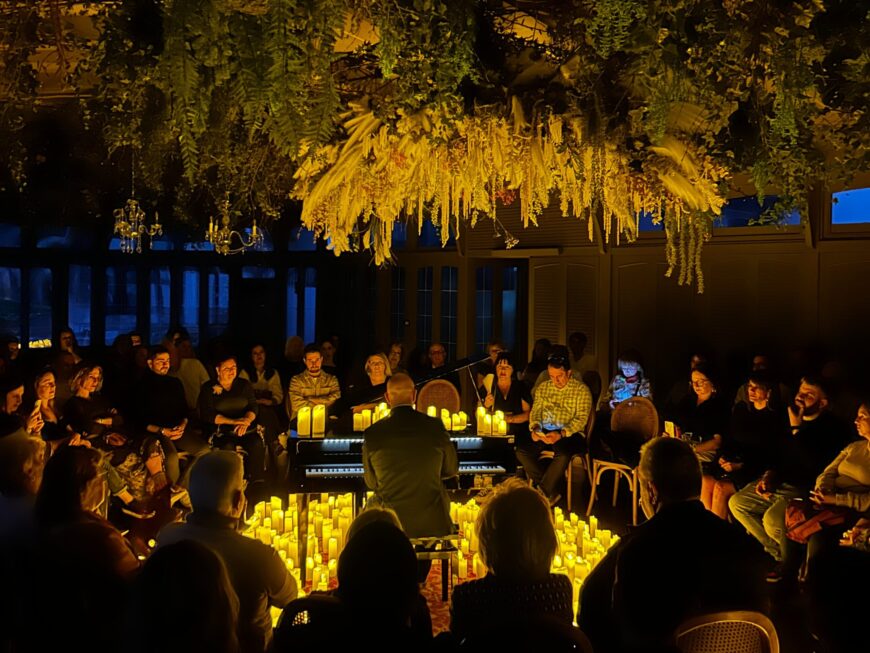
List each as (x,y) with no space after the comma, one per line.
(441,548)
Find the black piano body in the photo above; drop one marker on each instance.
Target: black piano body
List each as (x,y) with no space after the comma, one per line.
(334,464)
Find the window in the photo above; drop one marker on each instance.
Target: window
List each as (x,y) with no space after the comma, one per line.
(120,301)
(509,291)
(190,303)
(430,236)
(257,272)
(310,303)
(267,246)
(39,306)
(424,306)
(218,302)
(645,223)
(10,235)
(10,301)
(160,303)
(397,304)
(292,302)
(199,246)
(63,238)
(745,212)
(79,307)
(400,235)
(851,207)
(483,308)
(449,301)
(301,240)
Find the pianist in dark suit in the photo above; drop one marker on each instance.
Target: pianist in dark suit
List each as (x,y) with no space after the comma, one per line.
(405,457)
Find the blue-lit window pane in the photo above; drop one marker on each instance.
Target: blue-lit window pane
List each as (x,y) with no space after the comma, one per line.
(509,290)
(292,302)
(63,238)
(163,244)
(79,307)
(400,235)
(483,308)
(40,305)
(257,272)
(218,302)
(190,303)
(10,235)
(310,297)
(301,240)
(430,236)
(120,301)
(10,301)
(397,304)
(645,223)
(449,302)
(267,246)
(424,306)
(745,211)
(851,207)
(198,246)
(160,303)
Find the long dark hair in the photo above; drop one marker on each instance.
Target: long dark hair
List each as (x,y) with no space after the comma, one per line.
(67,474)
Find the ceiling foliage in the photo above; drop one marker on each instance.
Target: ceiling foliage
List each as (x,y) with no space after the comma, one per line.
(373,111)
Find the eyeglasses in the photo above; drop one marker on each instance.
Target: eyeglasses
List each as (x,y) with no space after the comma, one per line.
(701,383)
(557,361)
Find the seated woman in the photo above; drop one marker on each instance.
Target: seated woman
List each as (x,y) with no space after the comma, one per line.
(366,394)
(86,562)
(229,409)
(138,470)
(396,356)
(749,445)
(269,393)
(538,362)
(845,483)
(11,400)
(45,386)
(702,417)
(486,368)
(517,545)
(510,396)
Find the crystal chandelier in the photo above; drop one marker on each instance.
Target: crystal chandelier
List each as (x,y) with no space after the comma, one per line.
(222,236)
(130,223)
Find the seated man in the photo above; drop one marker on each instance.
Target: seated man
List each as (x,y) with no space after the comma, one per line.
(312,387)
(436,366)
(257,573)
(559,414)
(161,409)
(405,457)
(683,562)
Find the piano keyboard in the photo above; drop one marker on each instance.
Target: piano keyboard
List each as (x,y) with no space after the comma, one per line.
(356,471)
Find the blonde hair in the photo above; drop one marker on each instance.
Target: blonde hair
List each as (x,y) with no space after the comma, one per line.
(22,460)
(79,379)
(387,369)
(516,533)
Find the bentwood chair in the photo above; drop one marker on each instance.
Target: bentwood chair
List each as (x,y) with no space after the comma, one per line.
(636,417)
(441,394)
(727,632)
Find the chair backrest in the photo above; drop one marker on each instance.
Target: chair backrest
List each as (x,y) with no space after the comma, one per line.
(438,393)
(307,620)
(636,415)
(739,631)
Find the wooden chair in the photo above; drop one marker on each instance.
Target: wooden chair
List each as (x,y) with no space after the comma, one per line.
(636,415)
(441,394)
(727,632)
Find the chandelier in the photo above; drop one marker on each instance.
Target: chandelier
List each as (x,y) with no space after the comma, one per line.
(130,223)
(222,236)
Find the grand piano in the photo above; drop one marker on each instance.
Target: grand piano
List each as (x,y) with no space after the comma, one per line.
(334,464)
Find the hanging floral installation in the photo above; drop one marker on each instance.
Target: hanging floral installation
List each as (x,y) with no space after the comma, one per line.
(377,111)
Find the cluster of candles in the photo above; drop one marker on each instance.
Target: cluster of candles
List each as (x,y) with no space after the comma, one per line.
(311,422)
(366,417)
(328,519)
(582,544)
(490,424)
(452,421)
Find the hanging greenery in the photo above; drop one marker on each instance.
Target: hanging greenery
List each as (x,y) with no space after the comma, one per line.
(377,111)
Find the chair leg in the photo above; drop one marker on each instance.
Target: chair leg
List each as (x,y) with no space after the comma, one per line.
(616,476)
(634,497)
(570,464)
(445,578)
(593,492)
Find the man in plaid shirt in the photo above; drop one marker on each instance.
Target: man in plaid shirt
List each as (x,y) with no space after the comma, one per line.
(313,386)
(559,414)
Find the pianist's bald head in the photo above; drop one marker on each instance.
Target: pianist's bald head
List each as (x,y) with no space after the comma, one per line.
(400,390)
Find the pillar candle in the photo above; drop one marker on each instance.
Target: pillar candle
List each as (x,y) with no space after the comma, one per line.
(593,526)
(318,526)
(332,549)
(502,427)
(499,415)
(455,422)
(278,520)
(461,565)
(332,565)
(357,422)
(463,420)
(487,425)
(275,502)
(318,421)
(431,411)
(366,418)
(303,422)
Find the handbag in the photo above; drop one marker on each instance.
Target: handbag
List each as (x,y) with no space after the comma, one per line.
(803,519)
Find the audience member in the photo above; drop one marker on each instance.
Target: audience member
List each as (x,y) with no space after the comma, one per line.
(294,351)
(681,563)
(560,410)
(629,381)
(538,362)
(229,409)
(682,388)
(328,353)
(510,396)
(486,368)
(581,360)
(183,601)
(396,356)
(22,459)
(781,395)
(436,366)
(45,388)
(269,393)
(816,436)
(66,341)
(313,387)
(258,575)
(191,372)
(517,545)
